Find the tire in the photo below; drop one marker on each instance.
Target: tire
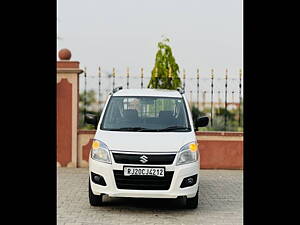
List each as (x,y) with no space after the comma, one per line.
(192,203)
(95,200)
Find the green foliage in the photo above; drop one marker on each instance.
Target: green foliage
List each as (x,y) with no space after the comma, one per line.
(196,113)
(164,64)
(222,112)
(90,101)
(87,127)
(219,120)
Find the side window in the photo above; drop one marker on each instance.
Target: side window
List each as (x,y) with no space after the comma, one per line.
(115,112)
(132,103)
(166,105)
(179,109)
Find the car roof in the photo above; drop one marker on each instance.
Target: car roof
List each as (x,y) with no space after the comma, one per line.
(148,92)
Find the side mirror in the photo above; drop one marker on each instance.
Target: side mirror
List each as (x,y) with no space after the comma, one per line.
(201,122)
(91,119)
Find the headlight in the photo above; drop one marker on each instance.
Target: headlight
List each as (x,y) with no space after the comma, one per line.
(188,154)
(100,152)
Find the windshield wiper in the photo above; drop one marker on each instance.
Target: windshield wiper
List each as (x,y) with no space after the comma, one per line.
(172,128)
(132,129)
(143,129)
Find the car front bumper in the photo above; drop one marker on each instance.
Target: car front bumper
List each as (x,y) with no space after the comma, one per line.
(180,172)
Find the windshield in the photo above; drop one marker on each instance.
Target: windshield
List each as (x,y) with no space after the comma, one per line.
(142,114)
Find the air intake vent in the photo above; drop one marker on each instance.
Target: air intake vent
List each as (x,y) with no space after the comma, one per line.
(143,182)
(150,159)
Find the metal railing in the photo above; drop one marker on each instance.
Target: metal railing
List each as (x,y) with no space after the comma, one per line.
(215,87)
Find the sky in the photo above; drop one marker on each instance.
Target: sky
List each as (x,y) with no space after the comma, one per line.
(203,34)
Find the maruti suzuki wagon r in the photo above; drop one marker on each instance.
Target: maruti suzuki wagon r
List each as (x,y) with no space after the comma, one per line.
(145,147)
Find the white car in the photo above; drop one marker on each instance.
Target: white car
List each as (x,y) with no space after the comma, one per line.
(145,147)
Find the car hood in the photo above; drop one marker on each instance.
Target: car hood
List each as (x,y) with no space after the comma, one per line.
(145,141)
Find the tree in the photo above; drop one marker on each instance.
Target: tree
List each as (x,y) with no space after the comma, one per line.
(90,107)
(196,113)
(164,75)
(231,114)
(89,98)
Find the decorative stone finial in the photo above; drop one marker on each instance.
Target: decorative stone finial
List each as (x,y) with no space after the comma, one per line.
(64,54)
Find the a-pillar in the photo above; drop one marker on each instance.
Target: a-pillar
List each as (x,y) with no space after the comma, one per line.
(67,90)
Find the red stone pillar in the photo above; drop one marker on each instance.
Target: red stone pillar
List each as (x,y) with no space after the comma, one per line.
(67,97)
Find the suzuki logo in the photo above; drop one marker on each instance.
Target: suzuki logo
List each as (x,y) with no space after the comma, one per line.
(144,159)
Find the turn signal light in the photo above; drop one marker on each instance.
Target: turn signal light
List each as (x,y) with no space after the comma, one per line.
(193,147)
(96,144)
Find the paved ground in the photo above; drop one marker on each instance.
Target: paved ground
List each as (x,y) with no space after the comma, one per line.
(220,203)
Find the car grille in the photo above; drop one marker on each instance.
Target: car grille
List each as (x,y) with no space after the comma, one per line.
(152,159)
(143,182)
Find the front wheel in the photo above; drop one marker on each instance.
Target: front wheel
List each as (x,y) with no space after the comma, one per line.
(192,203)
(95,200)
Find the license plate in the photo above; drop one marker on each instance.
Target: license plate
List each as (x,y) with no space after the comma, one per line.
(144,171)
